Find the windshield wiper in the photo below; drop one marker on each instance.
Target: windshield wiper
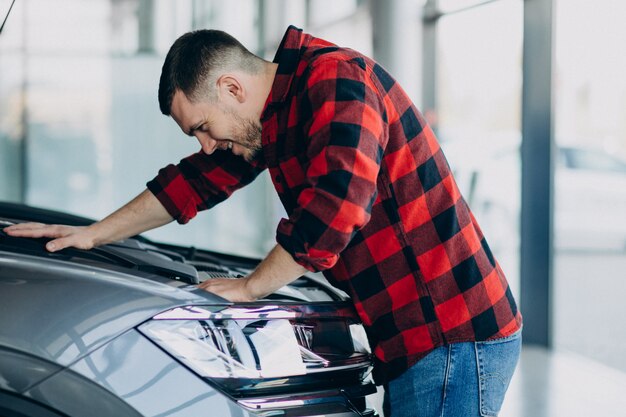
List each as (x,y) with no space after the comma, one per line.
(144,261)
(140,260)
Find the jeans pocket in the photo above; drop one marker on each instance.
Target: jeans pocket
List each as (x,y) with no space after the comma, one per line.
(496,361)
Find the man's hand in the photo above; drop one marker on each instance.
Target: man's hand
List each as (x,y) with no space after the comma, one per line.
(276,270)
(63,236)
(233,289)
(142,213)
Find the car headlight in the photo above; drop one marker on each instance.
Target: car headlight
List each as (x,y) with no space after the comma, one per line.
(261,346)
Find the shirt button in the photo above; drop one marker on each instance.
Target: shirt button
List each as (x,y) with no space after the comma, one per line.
(278,178)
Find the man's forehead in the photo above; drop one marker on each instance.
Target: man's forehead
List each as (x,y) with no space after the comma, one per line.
(179,101)
(182,108)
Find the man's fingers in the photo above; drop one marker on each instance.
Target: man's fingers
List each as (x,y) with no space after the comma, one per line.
(26,225)
(26,232)
(53,246)
(217,283)
(58,244)
(36,231)
(231,289)
(75,240)
(62,236)
(23,226)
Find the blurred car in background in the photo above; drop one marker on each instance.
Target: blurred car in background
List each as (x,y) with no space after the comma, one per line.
(589,193)
(122,330)
(591,199)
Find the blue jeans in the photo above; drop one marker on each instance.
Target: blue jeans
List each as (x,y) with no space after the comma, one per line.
(458,380)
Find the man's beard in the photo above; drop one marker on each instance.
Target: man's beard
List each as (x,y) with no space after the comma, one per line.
(248,135)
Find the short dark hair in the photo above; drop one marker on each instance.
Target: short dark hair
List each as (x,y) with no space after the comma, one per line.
(194,57)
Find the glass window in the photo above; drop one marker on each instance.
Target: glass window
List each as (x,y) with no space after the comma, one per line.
(447,6)
(77,26)
(478,118)
(590,181)
(82,90)
(82,93)
(592,160)
(322,12)
(12,100)
(12,37)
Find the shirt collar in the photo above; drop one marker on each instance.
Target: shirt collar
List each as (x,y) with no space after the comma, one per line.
(287,57)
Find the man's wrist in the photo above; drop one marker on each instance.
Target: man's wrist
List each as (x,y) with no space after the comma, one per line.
(250,290)
(92,234)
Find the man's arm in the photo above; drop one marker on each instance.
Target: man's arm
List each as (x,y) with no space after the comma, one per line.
(275,271)
(142,213)
(346,137)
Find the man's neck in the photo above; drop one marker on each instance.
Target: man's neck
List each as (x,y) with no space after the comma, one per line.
(266,83)
(270,74)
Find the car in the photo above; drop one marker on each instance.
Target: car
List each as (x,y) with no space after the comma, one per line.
(590,189)
(123,330)
(589,193)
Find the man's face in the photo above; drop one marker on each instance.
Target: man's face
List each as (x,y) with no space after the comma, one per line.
(216,126)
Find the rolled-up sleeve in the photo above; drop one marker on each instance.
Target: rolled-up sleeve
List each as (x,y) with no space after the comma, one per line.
(346,137)
(200,181)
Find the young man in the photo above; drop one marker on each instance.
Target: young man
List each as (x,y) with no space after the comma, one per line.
(370,199)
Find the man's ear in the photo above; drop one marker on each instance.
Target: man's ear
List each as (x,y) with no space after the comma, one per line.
(230,86)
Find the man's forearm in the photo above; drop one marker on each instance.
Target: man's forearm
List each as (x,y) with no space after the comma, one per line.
(275,271)
(142,213)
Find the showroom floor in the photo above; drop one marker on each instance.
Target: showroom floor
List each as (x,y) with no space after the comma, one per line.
(562,384)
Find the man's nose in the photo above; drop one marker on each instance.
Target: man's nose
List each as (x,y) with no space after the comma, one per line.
(207,144)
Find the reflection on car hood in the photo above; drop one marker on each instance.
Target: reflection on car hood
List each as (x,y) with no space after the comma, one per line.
(60,306)
(60,312)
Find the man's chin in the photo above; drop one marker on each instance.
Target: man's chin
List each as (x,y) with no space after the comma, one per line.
(250,155)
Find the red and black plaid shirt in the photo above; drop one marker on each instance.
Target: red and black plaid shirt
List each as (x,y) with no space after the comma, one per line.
(371,202)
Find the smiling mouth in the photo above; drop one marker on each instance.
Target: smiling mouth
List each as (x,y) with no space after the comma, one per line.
(229,145)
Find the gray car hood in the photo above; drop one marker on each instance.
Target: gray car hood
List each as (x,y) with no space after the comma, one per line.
(61,312)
